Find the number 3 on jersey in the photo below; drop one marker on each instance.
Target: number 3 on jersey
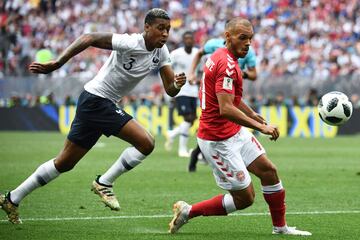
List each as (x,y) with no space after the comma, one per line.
(129,65)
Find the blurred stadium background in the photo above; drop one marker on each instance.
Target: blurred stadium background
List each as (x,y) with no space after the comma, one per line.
(304,49)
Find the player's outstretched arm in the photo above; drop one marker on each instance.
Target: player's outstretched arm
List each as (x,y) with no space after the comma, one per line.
(250,112)
(194,63)
(172,82)
(250,73)
(99,40)
(234,114)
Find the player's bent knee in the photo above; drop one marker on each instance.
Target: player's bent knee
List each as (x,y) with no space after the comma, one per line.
(244,200)
(147,145)
(270,174)
(63,167)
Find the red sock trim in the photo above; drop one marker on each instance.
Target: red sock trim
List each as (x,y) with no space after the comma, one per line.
(210,207)
(276,202)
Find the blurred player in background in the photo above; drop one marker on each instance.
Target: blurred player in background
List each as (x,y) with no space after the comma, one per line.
(231,150)
(186,99)
(133,57)
(247,65)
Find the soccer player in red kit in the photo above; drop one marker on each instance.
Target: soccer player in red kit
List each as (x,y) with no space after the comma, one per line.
(229,148)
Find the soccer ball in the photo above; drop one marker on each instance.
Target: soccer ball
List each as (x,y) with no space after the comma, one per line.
(335,108)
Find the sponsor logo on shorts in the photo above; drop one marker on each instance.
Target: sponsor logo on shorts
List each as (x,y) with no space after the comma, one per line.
(119,111)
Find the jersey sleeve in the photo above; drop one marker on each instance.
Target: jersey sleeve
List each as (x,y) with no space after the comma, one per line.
(121,42)
(165,58)
(209,47)
(224,82)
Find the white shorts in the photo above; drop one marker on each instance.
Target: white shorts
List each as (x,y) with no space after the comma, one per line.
(229,158)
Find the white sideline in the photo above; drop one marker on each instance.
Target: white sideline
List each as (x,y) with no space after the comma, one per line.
(169,216)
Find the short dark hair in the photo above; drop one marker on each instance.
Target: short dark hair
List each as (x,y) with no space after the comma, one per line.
(154,13)
(233,22)
(188,33)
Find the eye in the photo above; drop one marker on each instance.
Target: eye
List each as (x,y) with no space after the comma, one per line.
(161,28)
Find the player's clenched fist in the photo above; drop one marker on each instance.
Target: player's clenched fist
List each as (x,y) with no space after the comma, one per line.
(271,130)
(179,80)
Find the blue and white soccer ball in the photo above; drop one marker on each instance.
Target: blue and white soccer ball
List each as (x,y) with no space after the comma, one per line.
(335,108)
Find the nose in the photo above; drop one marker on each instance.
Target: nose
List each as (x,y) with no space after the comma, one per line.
(165,33)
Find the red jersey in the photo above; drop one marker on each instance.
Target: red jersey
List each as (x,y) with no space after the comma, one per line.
(221,75)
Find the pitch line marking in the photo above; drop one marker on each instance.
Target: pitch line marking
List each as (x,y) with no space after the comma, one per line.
(169,216)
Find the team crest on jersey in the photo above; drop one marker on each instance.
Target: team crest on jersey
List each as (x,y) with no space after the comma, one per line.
(240,176)
(155,60)
(227,83)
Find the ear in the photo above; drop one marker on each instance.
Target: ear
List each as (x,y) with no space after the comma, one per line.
(227,35)
(146,27)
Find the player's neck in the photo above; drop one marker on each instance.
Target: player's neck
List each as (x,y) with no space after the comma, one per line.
(231,51)
(188,50)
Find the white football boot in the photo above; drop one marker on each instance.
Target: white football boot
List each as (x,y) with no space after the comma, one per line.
(10,209)
(290,231)
(181,216)
(106,194)
(184,154)
(169,140)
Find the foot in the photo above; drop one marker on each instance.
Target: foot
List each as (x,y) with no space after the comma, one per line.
(192,168)
(106,194)
(181,216)
(169,141)
(10,209)
(184,154)
(290,231)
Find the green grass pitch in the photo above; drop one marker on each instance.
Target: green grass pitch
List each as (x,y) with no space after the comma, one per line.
(321,177)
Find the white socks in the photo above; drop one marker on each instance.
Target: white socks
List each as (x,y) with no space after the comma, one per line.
(184,136)
(129,159)
(42,175)
(228,203)
(272,188)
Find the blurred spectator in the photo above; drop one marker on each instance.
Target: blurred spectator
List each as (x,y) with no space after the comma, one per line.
(290,36)
(312,98)
(316,40)
(69,101)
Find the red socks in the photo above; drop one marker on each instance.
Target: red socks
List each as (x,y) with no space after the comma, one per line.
(276,202)
(210,207)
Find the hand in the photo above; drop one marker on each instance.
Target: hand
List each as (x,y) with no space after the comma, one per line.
(44,68)
(192,78)
(271,130)
(180,80)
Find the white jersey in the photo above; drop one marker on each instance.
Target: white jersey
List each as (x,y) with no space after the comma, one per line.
(127,65)
(181,62)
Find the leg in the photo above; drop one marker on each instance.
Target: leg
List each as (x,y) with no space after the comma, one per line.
(65,161)
(143,144)
(274,195)
(194,159)
(273,191)
(184,134)
(230,174)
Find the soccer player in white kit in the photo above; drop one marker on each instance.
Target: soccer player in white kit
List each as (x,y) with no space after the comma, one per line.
(230,149)
(133,57)
(186,99)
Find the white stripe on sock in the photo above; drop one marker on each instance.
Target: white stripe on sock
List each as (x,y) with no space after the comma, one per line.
(272,188)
